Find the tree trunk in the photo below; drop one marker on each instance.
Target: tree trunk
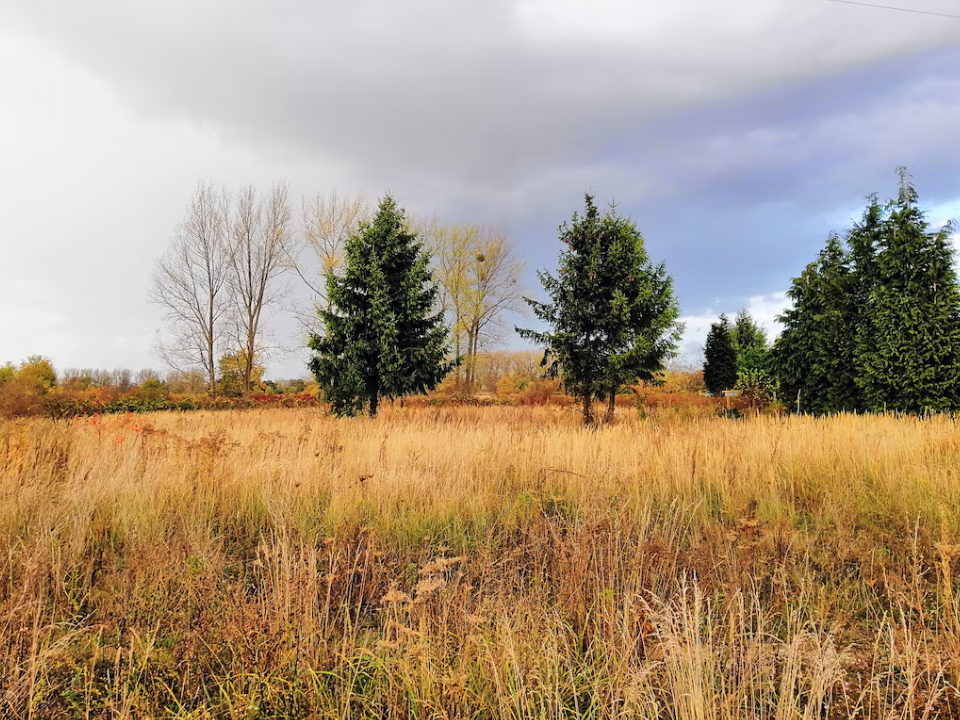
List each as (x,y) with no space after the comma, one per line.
(469,360)
(456,351)
(586,400)
(374,390)
(249,359)
(472,369)
(211,367)
(611,407)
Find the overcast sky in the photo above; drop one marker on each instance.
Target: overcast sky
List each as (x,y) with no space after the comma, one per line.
(737,133)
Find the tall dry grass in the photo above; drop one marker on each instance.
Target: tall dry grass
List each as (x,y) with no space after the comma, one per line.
(484,563)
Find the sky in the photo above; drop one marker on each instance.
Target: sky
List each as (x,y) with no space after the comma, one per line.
(738,135)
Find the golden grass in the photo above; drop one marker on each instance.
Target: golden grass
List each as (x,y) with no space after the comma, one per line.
(484,563)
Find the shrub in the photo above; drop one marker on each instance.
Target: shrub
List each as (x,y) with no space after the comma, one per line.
(683,382)
(758,389)
(19,398)
(189,382)
(657,401)
(7,373)
(152,391)
(538,392)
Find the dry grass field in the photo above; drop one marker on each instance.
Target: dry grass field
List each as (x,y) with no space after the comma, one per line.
(481,563)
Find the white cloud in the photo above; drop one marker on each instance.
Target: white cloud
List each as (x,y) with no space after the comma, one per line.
(763,308)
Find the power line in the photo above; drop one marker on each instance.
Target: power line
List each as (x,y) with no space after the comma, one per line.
(899,9)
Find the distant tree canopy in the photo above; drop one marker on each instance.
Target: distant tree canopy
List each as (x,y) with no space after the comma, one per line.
(38,373)
(612,314)
(875,321)
(384,336)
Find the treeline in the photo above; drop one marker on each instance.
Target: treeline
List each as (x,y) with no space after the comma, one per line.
(225,276)
(874,323)
(610,322)
(404,306)
(34,387)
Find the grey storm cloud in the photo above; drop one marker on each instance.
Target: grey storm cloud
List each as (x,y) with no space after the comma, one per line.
(733,131)
(477,96)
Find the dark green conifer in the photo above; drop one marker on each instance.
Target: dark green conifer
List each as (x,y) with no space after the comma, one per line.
(751,342)
(383,334)
(914,364)
(863,244)
(612,313)
(875,324)
(720,357)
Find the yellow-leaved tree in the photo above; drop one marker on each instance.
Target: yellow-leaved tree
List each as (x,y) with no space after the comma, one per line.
(233,373)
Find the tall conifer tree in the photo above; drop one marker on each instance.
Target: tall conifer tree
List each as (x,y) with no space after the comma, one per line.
(384,336)
(915,362)
(612,313)
(795,352)
(864,242)
(720,357)
(836,366)
(814,355)
(751,343)
(876,324)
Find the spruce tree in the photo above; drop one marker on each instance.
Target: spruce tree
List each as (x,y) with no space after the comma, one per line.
(836,349)
(864,242)
(813,358)
(641,326)
(720,357)
(746,332)
(383,334)
(612,314)
(876,324)
(794,351)
(750,341)
(915,362)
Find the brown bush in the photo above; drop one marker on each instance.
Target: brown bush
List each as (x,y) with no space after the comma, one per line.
(18,398)
(683,382)
(538,392)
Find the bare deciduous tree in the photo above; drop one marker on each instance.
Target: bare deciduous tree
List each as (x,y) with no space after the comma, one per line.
(191,284)
(328,220)
(122,378)
(141,376)
(493,290)
(258,241)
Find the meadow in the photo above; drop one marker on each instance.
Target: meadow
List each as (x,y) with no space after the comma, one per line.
(481,562)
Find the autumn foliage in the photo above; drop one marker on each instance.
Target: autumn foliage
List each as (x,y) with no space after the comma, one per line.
(501,379)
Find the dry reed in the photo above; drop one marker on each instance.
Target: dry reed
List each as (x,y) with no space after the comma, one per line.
(484,563)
